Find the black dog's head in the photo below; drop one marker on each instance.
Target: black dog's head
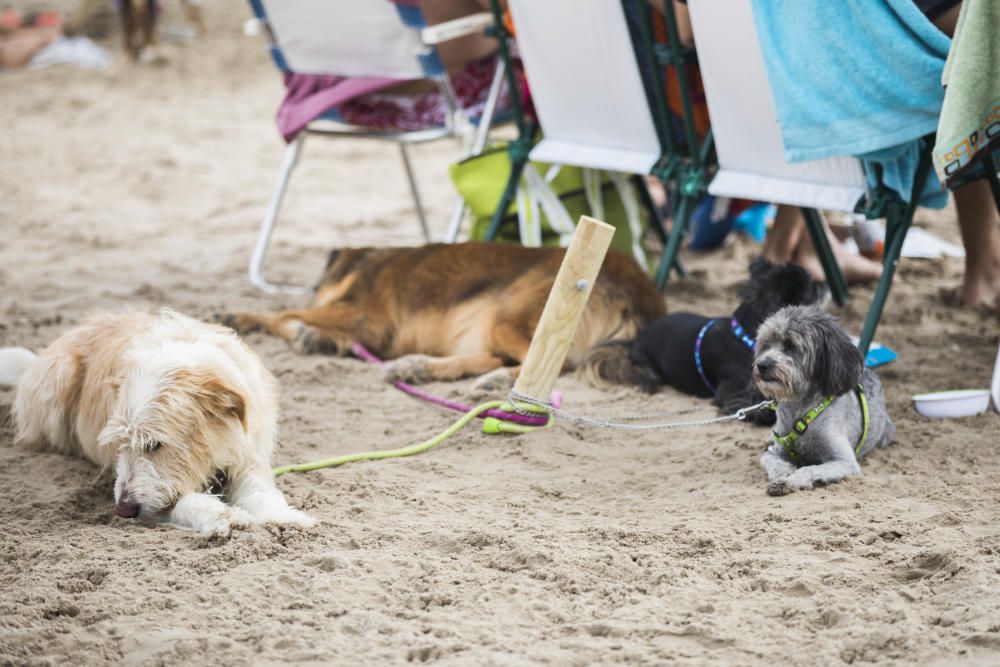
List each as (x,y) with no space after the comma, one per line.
(772,287)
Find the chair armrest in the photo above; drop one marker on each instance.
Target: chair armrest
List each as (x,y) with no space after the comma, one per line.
(460,27)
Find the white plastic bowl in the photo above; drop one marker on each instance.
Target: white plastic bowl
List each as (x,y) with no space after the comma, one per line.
(962,403)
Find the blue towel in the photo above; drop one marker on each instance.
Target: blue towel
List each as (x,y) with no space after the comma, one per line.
(855,77)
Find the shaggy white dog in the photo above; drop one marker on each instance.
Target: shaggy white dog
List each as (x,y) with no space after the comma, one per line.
(170,403)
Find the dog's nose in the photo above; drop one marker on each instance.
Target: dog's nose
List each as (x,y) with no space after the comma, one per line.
(764,366)
(126,508)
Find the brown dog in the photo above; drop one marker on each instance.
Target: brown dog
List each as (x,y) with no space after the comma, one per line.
(448,311)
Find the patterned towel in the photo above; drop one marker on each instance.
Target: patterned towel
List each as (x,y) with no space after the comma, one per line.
(970,118)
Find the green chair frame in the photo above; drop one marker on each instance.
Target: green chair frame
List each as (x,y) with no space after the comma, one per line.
(687,173)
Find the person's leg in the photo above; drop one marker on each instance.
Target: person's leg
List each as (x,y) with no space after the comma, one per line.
(788,242)
(977,220)
(784,236)
(20,45)
(980,225)
(857,269)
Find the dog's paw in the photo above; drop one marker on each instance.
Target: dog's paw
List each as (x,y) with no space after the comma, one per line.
(779,487)
(412,368)
(241,323)
(307,339)
(239,517)
(491,385)
(222,525)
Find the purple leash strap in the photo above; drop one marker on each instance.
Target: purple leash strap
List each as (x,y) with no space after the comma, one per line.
(361,352)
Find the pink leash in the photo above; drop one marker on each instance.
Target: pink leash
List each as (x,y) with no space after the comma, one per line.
(360,351)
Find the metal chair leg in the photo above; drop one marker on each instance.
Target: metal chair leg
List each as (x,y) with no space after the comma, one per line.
(519,150)
(834,276)
(455,223)
(404,150)
(479,143)
(270,218)
(899,217)
(897,223)
(668,260)
(490,108)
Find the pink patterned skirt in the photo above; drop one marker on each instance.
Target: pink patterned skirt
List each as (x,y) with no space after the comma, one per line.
(383,111)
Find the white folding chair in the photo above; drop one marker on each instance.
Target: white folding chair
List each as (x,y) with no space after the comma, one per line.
(372,38)
(749,146)
(587,91)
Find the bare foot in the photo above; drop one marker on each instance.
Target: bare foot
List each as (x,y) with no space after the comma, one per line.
(980,286)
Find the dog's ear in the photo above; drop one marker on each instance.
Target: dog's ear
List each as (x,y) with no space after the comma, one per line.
(227,401)
(759,266)
(839,363)
(796,285)
(215,397)
(756,286)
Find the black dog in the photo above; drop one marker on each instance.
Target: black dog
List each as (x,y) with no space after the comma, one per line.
(708,357)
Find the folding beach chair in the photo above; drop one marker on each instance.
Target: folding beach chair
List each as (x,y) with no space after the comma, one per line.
(365,38)
(594,107)
(751,158)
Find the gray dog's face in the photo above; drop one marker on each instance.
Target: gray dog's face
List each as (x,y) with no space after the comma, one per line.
(801,352)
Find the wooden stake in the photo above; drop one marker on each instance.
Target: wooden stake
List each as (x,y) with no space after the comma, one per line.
(564,308)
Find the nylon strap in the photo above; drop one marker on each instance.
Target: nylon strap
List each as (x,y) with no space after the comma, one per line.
(799,428)
(697,355)
(863,400)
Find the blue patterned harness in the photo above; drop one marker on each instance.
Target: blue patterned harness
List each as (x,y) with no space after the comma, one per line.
(738,331)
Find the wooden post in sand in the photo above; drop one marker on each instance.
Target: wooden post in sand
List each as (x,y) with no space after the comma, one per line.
(564,308)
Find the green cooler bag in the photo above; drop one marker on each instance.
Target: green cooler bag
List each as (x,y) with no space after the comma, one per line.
(550,199)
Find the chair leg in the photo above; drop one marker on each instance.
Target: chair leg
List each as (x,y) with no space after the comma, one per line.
(899,217)
(509,191)
(834,276)
(897,224)
(682,216)
(490,109)
(404,150)
(270,218)
(478,144)
(455,224)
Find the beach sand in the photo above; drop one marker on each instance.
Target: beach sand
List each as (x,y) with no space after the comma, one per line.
(143,186)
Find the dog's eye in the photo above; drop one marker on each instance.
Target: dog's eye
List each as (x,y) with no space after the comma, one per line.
(787,345)
(156,445)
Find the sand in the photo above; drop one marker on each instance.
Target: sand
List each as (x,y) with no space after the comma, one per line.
(143,186)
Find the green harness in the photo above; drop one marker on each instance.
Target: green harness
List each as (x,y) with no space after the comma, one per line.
(799,428)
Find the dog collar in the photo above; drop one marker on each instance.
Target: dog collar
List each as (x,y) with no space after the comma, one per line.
(742,335)
(801,425)
(738,331)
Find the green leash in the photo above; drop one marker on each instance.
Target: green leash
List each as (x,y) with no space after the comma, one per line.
(490,425)
(801,425)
